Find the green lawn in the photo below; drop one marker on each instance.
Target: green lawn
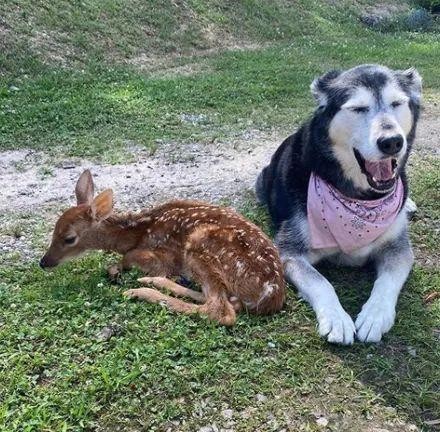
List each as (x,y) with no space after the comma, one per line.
(102,103)
(56,373)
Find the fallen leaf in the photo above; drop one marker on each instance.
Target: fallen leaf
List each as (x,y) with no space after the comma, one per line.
(430,297)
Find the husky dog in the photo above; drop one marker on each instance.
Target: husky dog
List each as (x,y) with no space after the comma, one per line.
(337,190)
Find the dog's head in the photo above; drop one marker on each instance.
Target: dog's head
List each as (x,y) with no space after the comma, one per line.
(372,113)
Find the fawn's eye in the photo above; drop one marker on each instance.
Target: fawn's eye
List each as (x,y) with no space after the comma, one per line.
(70,240)
(360,109)
(396,104)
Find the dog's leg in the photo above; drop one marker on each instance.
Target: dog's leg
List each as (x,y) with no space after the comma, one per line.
(411,208)
(393,265)
(334,323)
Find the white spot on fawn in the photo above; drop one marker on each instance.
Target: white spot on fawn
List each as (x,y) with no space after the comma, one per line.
(268,290)
(240,267)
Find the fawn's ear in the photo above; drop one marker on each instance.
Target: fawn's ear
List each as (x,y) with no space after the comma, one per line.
(102,205)
(84,189)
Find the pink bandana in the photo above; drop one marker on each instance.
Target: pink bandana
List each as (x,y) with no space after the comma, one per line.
(338,221)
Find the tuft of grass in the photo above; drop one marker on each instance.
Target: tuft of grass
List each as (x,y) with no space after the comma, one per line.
(425,187)
(431,5)
(415,20)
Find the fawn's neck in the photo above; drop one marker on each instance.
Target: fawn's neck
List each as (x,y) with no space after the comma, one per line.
(119,233)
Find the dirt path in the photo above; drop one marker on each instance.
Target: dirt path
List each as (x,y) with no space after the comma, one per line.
(203,171)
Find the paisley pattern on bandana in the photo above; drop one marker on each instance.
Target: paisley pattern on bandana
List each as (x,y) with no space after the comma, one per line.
(338,221)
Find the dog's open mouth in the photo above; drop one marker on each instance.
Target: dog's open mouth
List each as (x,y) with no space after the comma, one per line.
(381,175)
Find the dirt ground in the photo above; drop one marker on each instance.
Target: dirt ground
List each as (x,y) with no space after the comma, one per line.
(204,171)
(212,172)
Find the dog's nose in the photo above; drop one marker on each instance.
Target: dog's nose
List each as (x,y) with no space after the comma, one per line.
(390,145)
(42,263)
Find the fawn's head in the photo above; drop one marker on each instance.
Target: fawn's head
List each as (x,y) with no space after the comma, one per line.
(73,233)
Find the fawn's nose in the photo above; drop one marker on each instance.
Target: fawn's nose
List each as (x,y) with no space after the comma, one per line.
(46,262)
(390,145)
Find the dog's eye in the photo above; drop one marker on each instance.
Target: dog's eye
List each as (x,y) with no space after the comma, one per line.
(361,109)
(70,240)
(396,104)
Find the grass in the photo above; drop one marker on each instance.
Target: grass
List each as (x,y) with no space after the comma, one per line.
(77,93)
(97,110)
(162,367)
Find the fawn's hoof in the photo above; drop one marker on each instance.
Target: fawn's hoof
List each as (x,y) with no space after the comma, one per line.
(129,293)
(114,274)
(148,294)
(236,304)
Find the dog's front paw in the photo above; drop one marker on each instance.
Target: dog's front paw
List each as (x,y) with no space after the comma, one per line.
(375,319)
(335,324)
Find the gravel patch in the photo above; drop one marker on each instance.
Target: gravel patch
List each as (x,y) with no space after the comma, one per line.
(210,172)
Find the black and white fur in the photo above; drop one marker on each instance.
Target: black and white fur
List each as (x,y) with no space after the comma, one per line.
(356,109)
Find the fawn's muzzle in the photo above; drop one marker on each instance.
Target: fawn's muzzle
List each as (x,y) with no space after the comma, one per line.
(47,262)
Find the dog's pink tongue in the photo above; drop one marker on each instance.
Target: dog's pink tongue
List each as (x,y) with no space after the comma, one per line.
(382,170)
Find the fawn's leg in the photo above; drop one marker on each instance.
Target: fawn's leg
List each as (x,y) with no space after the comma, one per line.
(175,288)
(181,291)
(158,262)
(218,306)
(207,270)
(155,296)
(236,304)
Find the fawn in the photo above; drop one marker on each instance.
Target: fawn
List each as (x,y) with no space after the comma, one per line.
(235,263)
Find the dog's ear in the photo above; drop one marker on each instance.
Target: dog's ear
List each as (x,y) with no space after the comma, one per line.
(320,87)
(411,81)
